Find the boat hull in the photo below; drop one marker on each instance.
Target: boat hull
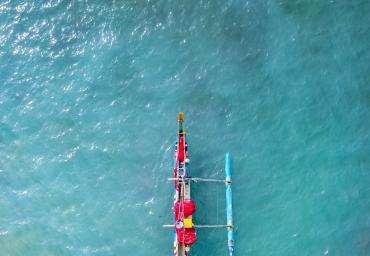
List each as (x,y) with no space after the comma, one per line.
(181,192)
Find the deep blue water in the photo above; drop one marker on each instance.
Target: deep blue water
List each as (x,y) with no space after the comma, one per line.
(89,96)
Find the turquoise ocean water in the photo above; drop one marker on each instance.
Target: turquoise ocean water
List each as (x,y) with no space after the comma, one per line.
(89,96)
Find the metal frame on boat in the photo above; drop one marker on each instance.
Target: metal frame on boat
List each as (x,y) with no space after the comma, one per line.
(184,206)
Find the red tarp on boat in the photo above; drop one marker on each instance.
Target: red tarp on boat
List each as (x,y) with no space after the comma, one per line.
(188,207)
(175,176)
(186,235)
(181,149)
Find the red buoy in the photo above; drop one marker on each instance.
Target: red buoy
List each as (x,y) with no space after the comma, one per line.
(186,235)
(187,207)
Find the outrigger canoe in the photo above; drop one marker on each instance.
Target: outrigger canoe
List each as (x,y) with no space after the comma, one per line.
(184,207)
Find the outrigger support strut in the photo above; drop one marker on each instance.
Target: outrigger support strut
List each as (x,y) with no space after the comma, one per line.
(199,226)
(199,180)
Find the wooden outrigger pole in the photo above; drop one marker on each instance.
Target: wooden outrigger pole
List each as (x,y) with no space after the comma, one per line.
(184,207)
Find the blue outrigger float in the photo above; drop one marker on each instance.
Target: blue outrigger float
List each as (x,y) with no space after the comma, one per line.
(229,206)
(184,206)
